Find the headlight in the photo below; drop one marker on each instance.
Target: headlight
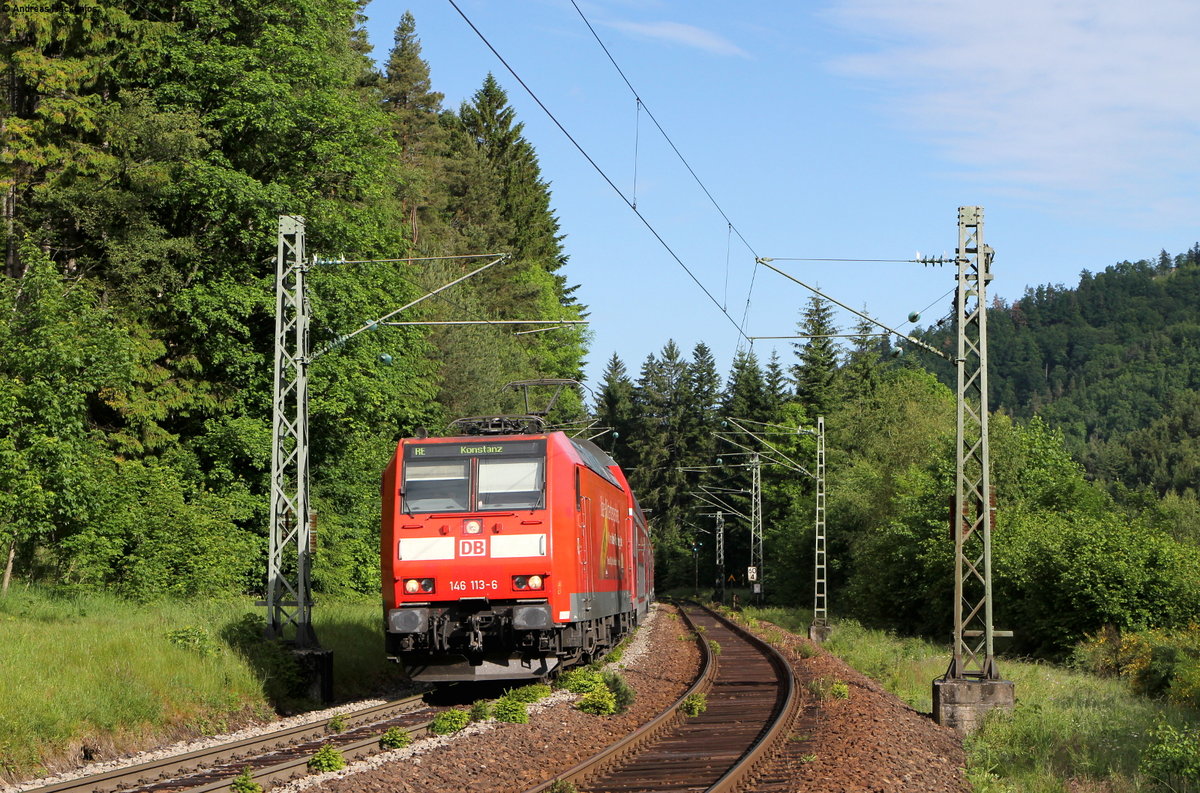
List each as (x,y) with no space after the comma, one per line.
(520,582)
(527,582)
(412,586)
(472,526)
(535,582)
(426,584)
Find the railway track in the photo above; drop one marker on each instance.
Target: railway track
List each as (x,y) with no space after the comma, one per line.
(272,757)
(741,738)
(752,703)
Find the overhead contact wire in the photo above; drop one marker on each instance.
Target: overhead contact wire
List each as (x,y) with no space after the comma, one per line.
(666,137)
(598,169)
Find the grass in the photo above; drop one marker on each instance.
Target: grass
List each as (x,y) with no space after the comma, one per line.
(1069,731)
(92,675)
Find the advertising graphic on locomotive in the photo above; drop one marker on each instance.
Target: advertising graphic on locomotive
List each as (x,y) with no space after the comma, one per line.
(506,556)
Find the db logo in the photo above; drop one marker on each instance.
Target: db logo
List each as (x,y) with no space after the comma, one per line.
(472,547)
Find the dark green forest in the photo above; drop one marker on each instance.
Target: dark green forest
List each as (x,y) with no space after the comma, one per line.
(1075,549)
(146,153)
(1114,362)
(148,149)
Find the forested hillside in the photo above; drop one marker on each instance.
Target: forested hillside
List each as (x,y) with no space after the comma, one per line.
(1070,558)
(147,151)
(1114,363)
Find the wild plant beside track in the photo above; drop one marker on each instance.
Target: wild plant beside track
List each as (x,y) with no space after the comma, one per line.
(1070,730)
(91,676)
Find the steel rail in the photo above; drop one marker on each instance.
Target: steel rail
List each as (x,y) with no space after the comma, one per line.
(766,745)
(158,771)
(648,732)
(296,767)
(776,735)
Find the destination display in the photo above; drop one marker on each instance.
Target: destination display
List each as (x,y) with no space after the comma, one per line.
(475,448)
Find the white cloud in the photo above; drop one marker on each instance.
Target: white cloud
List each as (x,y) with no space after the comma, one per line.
(1073,95)
(679,33)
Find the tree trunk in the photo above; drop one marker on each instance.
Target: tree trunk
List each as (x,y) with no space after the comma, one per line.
(8,566)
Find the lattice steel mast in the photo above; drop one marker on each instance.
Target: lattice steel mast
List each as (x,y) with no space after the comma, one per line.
(720,535)
(973,509)
(290,550)
(756,532)
(820,605)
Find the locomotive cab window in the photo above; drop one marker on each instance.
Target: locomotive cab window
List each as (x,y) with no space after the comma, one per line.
(475,476)
(510,484)
(436,486)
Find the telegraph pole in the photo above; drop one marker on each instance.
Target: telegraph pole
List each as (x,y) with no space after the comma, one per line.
(972,684)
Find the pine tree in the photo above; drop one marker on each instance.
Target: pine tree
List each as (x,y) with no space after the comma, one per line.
(526,228)
(776,384)
(816,372)
(615,409)
(659,447)
(704,388)
(860,375)
(414,107)
(746,397)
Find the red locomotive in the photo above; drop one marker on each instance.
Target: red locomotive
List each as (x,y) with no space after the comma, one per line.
(507,555)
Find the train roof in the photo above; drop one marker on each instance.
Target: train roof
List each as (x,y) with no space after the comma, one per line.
(591,455)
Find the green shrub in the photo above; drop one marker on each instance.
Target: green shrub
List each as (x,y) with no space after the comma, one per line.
(1185,685)
(1154,663)
(1173,759)
(580,680)
(395,738)
(714,646)
(694,704)
(198,640)
(623,693)
(511,710)
(840,689)
(819,687)
(600,702)
(337,723)
(244,783)
(481,710)
(449,721)
(562,786)
(530,693)
(327,758)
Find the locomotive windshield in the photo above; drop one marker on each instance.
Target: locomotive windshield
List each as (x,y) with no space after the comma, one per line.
(436,486)
(468,477)
(510,484)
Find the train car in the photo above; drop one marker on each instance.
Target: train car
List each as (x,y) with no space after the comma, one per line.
(508,556)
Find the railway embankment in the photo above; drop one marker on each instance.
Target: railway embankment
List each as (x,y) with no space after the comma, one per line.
(1071,729)
(91,678)
(864,724)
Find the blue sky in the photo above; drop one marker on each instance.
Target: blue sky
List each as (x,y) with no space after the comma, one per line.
(848,129)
